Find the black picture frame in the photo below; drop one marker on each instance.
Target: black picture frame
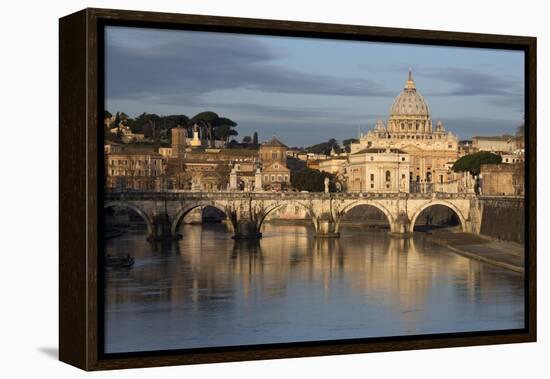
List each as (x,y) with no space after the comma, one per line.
(81,74)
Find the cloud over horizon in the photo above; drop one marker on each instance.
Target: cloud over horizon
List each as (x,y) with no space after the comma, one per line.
(304,89)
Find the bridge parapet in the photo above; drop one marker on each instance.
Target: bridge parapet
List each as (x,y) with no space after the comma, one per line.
(246,211)
(232,195)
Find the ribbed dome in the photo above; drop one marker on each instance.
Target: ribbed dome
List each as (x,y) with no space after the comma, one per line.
(409,102)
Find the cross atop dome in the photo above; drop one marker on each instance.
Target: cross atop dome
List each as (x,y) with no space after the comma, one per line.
(410,82)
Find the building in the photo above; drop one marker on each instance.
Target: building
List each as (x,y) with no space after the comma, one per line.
(134,170)
(112,147)
(275,173)
(502,179)
(210,169)
(378,170)
(511,158)
(410,129)
(244,176)
(166,152)
(179,142)
(505,143)
(333,165)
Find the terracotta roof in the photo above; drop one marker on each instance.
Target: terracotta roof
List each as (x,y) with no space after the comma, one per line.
(274,142)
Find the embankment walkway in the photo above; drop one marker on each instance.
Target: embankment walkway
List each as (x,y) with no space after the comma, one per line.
(508,255)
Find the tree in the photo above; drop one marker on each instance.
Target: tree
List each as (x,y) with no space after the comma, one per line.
(224,131)
(144,121)
(247,140)
(325,147)
(472,162)
(117,119)
(308,179)
(206,120)
(255,139)
(210,121)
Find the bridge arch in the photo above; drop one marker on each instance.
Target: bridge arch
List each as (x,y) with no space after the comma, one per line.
(135,208)
(277,206)
(183,211)
(447,204)
(380,207)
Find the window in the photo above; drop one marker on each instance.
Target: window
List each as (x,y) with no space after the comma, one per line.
(429,176)
(388,176)
(402,176)
(279,178)
(372,177)
(272,178)
(371,158)
(372,185)
(402,159)
(286,178)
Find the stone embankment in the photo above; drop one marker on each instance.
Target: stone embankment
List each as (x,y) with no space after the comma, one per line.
(504,254)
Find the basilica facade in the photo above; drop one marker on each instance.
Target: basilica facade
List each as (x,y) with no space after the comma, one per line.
(410,129)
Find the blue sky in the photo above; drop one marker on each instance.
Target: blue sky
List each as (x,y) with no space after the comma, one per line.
(304,90)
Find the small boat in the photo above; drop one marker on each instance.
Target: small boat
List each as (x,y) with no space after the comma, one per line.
(119,262)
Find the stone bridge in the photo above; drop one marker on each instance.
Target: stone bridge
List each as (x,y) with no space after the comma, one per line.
(246,211)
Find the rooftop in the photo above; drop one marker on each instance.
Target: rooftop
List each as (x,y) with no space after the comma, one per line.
(378,150)
(275,143)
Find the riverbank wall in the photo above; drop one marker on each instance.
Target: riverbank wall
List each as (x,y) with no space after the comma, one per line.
(502,218)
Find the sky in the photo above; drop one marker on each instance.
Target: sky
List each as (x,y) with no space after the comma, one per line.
(307,90)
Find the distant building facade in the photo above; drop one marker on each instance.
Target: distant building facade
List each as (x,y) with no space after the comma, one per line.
(134,170)
(275,173)
(502,179)
(378,170)
(504,143)
(179,142)
(410,129)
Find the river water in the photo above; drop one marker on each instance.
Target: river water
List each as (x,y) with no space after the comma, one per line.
(208,290)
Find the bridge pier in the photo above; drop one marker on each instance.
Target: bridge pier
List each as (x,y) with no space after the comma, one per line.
(325,227)
(401,226)
(247,230)
(160,228)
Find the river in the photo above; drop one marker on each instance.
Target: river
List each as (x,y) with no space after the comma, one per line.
(208,290)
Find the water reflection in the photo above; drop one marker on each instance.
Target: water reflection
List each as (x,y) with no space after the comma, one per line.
(209,290)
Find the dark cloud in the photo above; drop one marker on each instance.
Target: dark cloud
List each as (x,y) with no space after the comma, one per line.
(468,127)
(470,82)
(298,126)
(179,70)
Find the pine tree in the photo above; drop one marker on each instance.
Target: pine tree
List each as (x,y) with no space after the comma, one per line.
(255,139)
